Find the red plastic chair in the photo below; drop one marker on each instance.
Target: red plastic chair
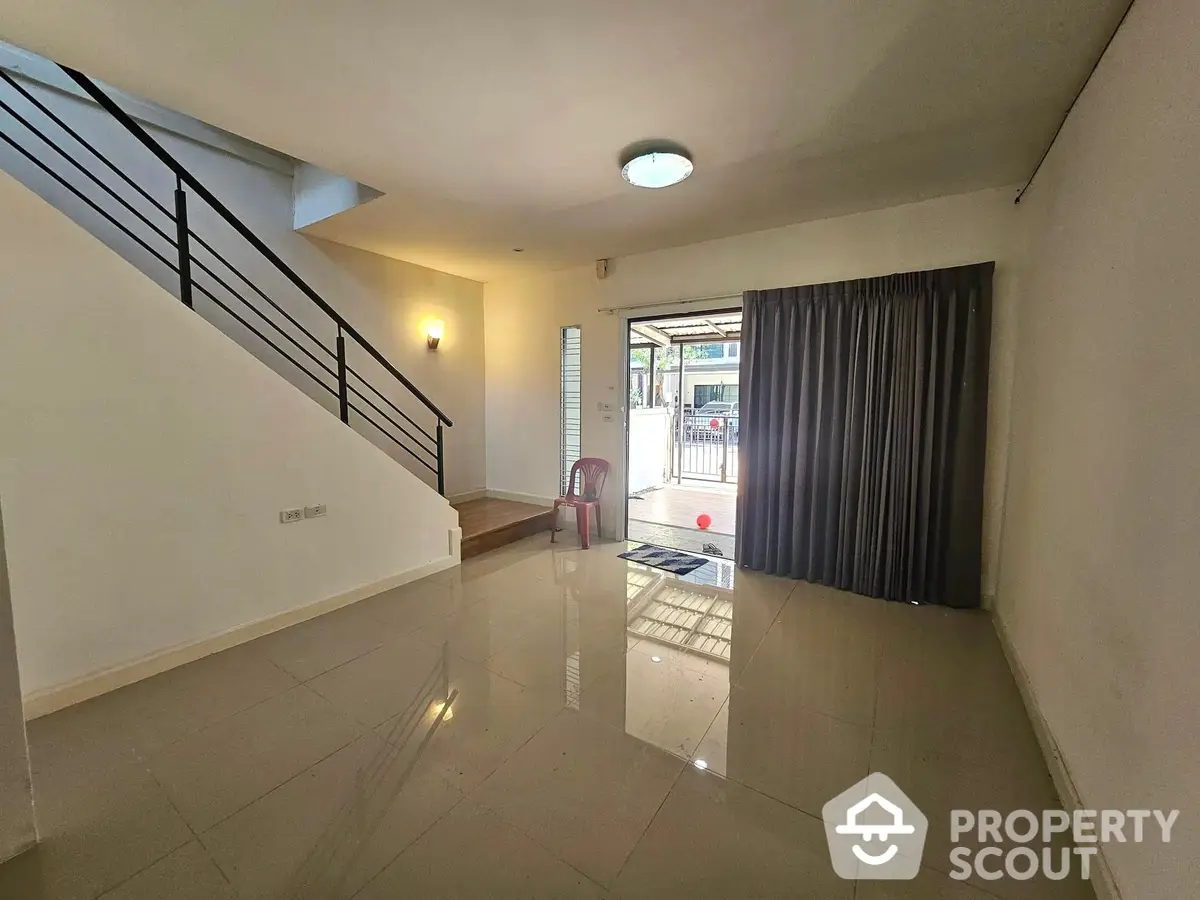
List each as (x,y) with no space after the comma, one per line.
(590,473)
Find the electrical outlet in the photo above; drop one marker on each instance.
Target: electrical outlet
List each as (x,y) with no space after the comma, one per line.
(290,515)
(311,512)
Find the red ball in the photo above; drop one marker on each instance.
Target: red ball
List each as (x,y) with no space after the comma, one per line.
(704,520)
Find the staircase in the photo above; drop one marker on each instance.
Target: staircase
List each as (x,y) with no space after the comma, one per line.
(272,312)
(490,523)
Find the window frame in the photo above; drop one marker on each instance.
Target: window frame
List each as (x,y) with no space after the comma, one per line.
(570,403)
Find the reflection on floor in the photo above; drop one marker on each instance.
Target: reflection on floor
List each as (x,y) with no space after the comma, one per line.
(666,516)
(612,731)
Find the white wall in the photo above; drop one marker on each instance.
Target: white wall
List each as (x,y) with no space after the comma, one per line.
(523,317)
(18,830)
(1099,574)
(386,300)
(144,458)
(649,440)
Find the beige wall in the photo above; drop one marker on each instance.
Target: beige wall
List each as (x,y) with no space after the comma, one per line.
(1100,570)
(18,831)
(391,301)
(383,299)
(523,318)
(144,460)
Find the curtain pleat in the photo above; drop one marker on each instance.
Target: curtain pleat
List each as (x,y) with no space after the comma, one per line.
(864,411)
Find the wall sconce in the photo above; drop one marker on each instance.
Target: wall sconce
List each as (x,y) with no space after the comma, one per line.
(433,333)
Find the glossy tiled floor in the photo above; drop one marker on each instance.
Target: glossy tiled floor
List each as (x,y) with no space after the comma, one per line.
(585,753)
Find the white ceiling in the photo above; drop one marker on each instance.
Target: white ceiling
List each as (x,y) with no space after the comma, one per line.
(494,124)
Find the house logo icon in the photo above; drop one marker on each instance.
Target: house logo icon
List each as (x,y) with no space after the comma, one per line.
(875,832)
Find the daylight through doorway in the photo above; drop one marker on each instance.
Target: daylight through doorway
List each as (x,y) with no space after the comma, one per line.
(682,431)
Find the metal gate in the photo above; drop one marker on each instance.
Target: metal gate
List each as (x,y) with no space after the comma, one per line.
(707,447)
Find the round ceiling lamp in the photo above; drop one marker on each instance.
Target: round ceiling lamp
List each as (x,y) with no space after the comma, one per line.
(657,168)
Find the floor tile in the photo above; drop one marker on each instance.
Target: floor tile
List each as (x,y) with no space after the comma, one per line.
(384,682)
(214,773)
(478,632)
(97,830)
(758,601)
(318,645)
(695,619)
(216,686)
(951,729)
(490,720)
(940,780)
(583,790)
(717,839)
(187,874)
(473,855)
(777,746)
(663,696)
(568,762)
(928,885)
(104,729)
(821,653)
(600,614)
(410,606)
(561,653)
(522,586)
(530,561)
(712,753)
(135,721)
(327,832)
(943,680)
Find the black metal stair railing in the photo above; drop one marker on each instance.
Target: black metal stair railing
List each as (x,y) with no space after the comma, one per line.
(173,242)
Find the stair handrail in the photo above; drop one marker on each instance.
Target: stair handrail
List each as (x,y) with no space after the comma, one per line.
(140,133)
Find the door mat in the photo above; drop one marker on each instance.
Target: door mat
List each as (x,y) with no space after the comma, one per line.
(641,495)
(672,560)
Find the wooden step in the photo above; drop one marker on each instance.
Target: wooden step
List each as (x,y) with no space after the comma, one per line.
(490,523)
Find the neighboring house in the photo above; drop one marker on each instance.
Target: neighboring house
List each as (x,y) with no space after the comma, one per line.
(710,372)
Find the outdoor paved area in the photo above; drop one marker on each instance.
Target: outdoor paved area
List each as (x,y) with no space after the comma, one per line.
(680,504)
(666,516)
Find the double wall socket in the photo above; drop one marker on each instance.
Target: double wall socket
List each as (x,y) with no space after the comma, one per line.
(295,515)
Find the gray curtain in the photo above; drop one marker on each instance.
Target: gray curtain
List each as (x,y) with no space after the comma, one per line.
(863,427)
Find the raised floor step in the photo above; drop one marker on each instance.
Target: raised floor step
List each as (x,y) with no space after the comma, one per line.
(490,523)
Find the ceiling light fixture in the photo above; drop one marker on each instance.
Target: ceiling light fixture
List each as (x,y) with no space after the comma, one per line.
(657,168)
